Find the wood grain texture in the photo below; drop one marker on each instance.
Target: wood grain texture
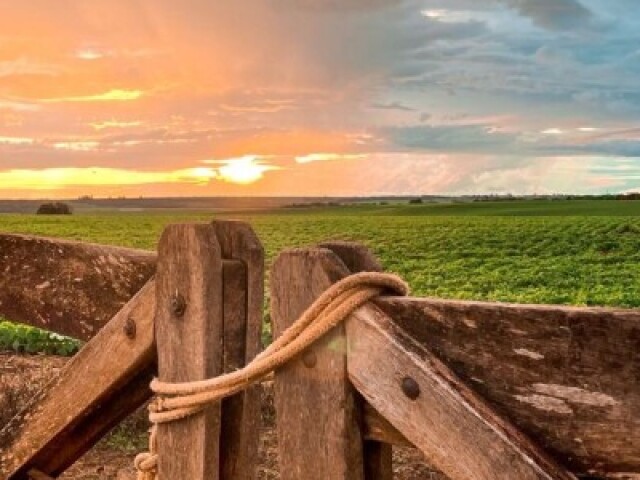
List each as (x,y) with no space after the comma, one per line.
(319,435)
(452,426)
(377,428)
(567,377)
(38,475)
(243,304)
(377,456)
(67,287)
(190,345)
(101,385)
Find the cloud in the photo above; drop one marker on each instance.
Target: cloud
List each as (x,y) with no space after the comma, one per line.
(321,157)
(64,177)
(451,138)
(24,66)
(392,106)
(16,140)
(114,95)
(114,124)
(553,14)
(82,146)
(426,95)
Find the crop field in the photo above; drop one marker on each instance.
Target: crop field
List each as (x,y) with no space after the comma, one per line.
(580,253)
(568,252)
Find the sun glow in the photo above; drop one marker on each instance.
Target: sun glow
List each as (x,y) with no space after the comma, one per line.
(242,170)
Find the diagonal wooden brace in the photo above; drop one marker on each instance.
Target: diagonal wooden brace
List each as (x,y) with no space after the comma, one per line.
(71,288)
(457,431)
(101,385)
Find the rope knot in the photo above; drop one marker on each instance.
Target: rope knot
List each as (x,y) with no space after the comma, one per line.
(157,405)
(146,463)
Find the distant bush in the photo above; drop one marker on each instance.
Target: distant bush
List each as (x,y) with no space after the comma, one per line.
(54,208)
(313,205)
(415,201)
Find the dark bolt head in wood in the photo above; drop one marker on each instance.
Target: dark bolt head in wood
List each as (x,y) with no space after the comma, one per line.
(410,388)
(178,304)
(130,328)
(309,359)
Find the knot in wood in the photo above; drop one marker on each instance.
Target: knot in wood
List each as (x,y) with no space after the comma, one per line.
(130,328)
(309,359)
(177,304)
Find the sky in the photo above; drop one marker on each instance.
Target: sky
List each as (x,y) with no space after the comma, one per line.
(318,97)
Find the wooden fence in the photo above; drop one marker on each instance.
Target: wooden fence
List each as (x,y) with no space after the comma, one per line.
(486,391)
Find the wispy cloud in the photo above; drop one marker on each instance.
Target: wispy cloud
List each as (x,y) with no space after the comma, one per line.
(24,66)
(63,177)
(320,157)
(115,95)
(80,146)
(16,140)
(114,124)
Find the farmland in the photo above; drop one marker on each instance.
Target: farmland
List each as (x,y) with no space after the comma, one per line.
(581,253)
(568,252)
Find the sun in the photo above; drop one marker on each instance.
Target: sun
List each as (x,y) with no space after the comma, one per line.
(242,170)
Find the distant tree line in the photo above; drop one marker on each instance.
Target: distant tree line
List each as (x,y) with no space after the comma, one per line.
(514,198)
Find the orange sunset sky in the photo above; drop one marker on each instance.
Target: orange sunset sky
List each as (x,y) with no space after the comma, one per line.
(318,97)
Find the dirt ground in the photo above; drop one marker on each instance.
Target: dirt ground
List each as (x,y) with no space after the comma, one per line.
(112,458)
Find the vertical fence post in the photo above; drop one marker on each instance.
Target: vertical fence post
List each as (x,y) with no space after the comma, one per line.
(378,464)
(319,435)
(209,320)
(243,275)
(189,333)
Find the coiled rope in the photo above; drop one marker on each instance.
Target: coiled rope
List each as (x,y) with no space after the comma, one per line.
(175,401)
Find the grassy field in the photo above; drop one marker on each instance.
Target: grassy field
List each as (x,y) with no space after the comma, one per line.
(570,252)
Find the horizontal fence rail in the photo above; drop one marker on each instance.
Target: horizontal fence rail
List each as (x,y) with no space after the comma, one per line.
(71,288)
(567,376)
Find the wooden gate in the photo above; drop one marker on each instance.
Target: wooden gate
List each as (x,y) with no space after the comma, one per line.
(485,391)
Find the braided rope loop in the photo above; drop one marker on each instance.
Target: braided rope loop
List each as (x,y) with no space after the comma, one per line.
(176,401)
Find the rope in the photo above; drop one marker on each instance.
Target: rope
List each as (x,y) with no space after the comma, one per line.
(176,401)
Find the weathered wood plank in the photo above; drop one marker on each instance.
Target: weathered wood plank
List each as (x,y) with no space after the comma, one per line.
(240,413)
(189,335)
(377,428)
(243,303)
(38,475)
(71,288)
(319,436)
(419,395)
(102,384)
(567,377)
(377,456)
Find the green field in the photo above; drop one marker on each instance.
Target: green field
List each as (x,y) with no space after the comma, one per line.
(569,252)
